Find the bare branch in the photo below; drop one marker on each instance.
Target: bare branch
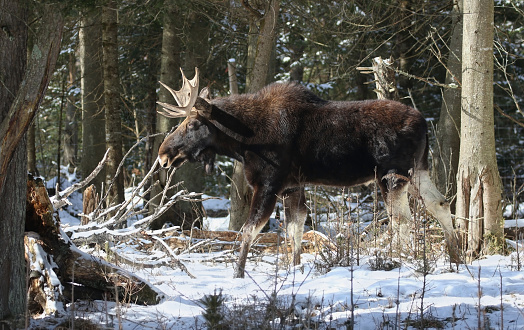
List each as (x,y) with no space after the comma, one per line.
(60,199)
(174,257)
(508,116)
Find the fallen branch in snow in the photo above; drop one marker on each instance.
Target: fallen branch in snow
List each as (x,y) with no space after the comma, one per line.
(126,210)
(121,165)
(54,261)
(60,199)
(174,257)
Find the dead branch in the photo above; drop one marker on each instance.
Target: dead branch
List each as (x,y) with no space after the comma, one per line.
(121,165)
(51,253)
(60,199)
(174,257)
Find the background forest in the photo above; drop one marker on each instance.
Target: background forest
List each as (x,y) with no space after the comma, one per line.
(318,43)
(102,96)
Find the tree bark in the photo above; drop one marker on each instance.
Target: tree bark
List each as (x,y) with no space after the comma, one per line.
(262,50)
(403,47)
(93,122)
(113,127)
(70,141)
(31,150)
(169,75)
(23,87)
(479,197)
(446,155)
(265,43)
(196,51)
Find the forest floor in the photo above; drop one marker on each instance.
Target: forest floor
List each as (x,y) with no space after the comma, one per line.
(336,288)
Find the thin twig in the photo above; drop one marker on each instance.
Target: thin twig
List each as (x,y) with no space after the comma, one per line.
(174,257)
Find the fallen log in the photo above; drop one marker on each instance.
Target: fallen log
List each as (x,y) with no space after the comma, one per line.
(59,271)
(187,240)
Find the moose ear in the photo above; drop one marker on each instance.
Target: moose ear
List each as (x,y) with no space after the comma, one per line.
(204,93)
(203,107)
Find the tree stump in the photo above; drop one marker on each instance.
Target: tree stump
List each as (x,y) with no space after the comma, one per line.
(89,202)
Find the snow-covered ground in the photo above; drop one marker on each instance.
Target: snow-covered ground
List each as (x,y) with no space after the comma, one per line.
(488,293)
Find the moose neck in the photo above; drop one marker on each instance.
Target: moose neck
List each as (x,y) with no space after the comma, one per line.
(230,124)
(227,145)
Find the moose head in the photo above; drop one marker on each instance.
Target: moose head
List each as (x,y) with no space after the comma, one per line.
(193,139)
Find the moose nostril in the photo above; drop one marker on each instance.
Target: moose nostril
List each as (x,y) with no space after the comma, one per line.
(163,162)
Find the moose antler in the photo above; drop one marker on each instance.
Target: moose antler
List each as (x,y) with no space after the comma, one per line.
(185,97)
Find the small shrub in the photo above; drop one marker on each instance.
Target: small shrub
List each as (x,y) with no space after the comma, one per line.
(213,310)
(428,322)
(381,261)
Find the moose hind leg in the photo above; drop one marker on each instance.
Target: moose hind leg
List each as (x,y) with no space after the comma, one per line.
(438,206)
(296,212)
(395,193)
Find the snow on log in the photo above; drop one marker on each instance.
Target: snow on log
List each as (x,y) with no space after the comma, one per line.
(54,261)
(45,290)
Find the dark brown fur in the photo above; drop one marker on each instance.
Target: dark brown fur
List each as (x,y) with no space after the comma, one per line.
(287,137)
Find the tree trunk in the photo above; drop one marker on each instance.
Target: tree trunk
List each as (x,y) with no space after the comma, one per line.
(169,75)
(113,128)
(150,116)
(232,74)
(59,137)
(195,53)
(23,87)
(446,155)
(404,44)
(70,140)
(265,43)
(385,81)
(261,52)
(479,197)
(93,122)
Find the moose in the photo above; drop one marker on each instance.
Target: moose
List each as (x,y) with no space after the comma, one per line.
(288,137)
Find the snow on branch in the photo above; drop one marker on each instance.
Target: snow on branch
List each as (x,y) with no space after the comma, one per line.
(60,199)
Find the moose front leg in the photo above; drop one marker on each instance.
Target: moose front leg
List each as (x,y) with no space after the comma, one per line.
(262,205)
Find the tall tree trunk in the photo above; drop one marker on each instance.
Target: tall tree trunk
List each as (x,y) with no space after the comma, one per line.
(405,42)
(446,155)
(71,124)
(113,128)
(479,197)
(265,43)
(59,137)
(93,122)
(259,54)
(192,174)
(169,75)
(150,115)
(21,91)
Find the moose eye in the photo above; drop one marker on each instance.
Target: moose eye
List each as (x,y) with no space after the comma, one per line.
(192,124)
